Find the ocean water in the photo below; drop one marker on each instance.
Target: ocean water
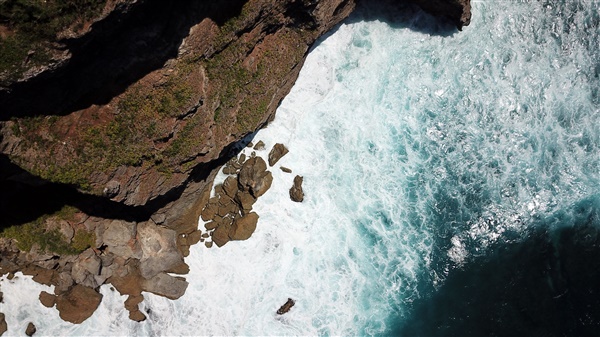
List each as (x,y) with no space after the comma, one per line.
(452,187)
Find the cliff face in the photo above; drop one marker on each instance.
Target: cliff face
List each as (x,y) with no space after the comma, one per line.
(218,76)
(125,120)
(151,90)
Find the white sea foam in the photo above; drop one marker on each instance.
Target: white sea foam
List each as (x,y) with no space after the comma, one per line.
(418,151)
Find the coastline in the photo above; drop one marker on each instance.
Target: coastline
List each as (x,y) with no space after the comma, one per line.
(137,247)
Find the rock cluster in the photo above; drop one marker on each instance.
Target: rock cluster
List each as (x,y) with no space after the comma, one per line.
(229,213)
(133,256)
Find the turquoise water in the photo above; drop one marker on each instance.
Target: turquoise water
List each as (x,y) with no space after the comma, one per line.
(452,187)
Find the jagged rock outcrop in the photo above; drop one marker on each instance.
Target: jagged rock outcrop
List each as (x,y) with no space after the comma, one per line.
(137,106)
(224,79)
(254,177)
(131,304)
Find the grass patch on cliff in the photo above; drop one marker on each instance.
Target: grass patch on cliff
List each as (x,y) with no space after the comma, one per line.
(245,90)
(50,241)
(144,116)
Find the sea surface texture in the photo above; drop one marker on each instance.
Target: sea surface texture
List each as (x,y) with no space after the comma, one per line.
(452,187)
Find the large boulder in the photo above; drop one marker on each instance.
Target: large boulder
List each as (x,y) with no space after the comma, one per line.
(243,227)
(163,284)
(220,236)
(245,200)
(278,151)
(296,192)
(63,282)
(254,177)
(119,237)
(230,186)
(48,300)
(78,304)
(211,209)
(159,249)
(286,306)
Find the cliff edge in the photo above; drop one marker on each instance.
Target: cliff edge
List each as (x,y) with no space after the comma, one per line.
(115,118)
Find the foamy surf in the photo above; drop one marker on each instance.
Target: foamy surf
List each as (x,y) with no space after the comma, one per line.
(421,152)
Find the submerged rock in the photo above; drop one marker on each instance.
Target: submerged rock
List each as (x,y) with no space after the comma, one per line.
(296,192)
(278,151)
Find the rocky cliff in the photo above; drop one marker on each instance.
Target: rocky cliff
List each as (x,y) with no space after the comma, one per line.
(112,125)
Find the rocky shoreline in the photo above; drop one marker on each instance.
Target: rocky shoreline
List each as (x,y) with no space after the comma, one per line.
(135,223)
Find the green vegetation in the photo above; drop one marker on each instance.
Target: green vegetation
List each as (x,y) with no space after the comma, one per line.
(146,125)
(31,233)
(127,138)
(35,23)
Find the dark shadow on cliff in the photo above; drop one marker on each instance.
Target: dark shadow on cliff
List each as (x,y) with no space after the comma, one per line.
(547,285)
(117,52)
(398,15)
(25,197)
(404,15)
